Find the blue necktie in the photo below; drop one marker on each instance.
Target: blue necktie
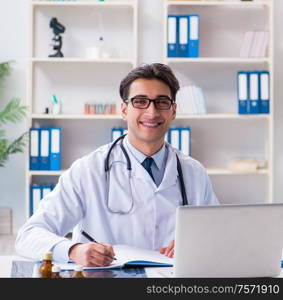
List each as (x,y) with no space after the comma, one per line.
(147,165)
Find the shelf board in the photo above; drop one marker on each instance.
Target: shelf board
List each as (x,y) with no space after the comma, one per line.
(241,60)
(178,117)
(219,3)
(83,3)
(225,116)
(76,117)
(229,172)
(209,171)
(45,173)
(82,60)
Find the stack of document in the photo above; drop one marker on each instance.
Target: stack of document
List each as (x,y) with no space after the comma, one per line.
(254,44)
(190,100)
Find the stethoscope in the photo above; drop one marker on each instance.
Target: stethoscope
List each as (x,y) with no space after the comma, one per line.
(129,168)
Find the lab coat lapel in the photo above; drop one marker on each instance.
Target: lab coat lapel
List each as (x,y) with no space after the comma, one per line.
(170,174)
(138,171)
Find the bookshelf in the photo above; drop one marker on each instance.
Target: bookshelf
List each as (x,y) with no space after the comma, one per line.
(222,134)
(76,78)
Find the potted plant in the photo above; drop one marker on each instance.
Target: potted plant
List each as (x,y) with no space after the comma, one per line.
(13,112)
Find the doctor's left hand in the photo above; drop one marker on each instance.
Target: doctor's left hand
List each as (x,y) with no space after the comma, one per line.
(92,254)
(168,251)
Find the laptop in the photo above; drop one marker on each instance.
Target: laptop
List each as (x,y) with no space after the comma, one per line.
(229,241)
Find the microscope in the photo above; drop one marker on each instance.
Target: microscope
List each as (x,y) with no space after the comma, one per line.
(57,30)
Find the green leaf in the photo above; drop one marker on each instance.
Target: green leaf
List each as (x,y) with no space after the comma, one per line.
(2,133)
(4,69)
(3,151)
(18,145)
(4,72)
(7,148)
(13,112)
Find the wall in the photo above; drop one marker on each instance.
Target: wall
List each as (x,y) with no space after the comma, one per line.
(14,46)
(14,39)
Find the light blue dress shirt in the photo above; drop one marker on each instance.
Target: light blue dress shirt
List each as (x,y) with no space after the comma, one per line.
(159,160)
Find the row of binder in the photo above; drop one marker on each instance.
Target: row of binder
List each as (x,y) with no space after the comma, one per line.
(178,137)
(45,148)
(116,132)
(253,92)
(37,192)
(190,100)
(183,35)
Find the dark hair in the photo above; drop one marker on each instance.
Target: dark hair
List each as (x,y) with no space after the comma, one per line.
(153,71)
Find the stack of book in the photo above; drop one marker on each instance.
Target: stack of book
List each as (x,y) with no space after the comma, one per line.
(254,44)
(190,100)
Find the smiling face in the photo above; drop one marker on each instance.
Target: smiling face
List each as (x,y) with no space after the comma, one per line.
(147,127)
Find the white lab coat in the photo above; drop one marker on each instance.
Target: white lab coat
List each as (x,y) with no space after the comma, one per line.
(80,200)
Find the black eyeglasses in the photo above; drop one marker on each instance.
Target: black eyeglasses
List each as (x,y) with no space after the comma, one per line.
(161,102)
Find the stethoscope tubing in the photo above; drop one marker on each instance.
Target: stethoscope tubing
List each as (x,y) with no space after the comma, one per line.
(129,168)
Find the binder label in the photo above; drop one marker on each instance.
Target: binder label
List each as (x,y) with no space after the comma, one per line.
(44,143)
(172,29)
(34,139)
(55,141)
(194,28)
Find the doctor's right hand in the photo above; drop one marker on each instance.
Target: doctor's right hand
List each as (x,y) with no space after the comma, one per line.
(92,254)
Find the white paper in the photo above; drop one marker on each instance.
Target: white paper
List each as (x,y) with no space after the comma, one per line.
(125,254)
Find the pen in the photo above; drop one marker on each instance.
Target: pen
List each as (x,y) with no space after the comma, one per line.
(91,239)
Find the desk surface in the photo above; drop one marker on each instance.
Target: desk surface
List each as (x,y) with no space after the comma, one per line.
(26,266)
(11,265)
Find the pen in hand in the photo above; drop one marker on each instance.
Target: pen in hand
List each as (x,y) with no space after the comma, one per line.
(91,239)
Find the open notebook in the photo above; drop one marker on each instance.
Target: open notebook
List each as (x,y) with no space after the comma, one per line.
(130,256)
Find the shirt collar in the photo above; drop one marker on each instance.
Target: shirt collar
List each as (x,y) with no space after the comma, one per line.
(157,157)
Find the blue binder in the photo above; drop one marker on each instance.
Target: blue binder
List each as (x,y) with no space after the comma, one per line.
(116,132)
(34,148)
(264,92)
(243,91)
(55,148)
(254,100)
(174,138)
(125,131)
(35,197)
(166,137)
(183,37)
(44,160)
(172,35)
(185,140)
(193,35)
(45,190)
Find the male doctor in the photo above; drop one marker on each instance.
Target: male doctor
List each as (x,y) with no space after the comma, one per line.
(135,207)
